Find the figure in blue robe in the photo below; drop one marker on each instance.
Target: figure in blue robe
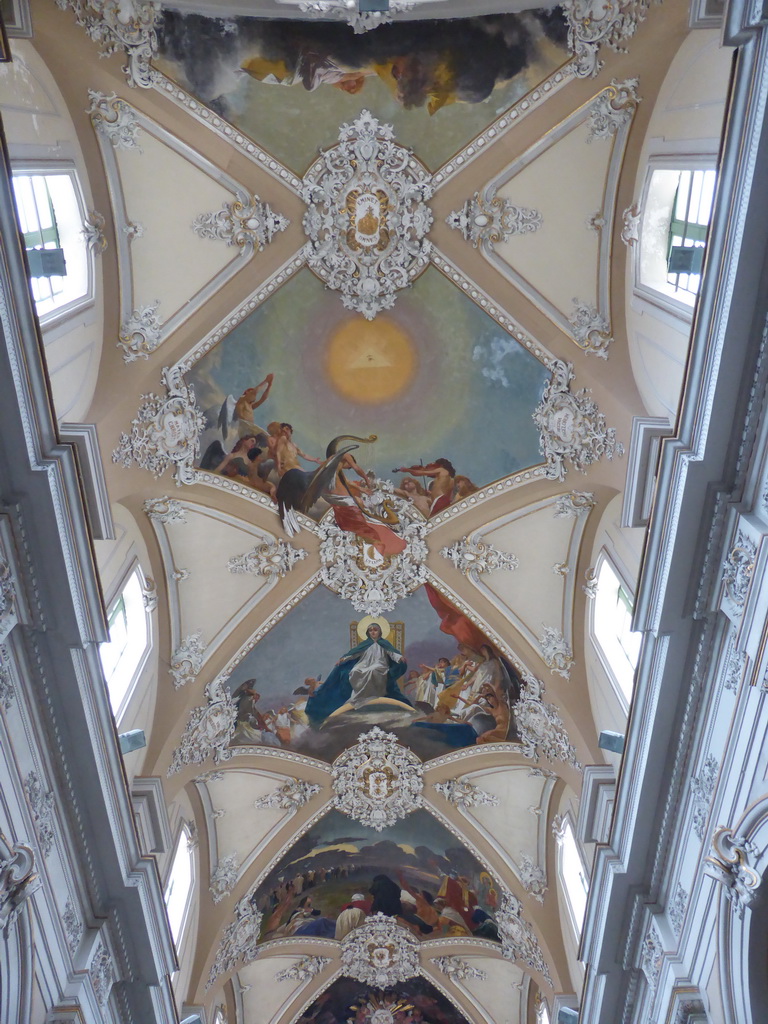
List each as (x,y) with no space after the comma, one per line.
(367,672)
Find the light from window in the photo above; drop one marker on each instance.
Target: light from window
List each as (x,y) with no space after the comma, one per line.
(122,655)
(179,887)
(612,627)
(572,875)
(542,1012)
(51,221)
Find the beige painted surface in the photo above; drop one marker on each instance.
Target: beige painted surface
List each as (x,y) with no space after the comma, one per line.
(242,829)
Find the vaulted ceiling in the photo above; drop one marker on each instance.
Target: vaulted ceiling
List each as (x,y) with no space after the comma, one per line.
(484,329)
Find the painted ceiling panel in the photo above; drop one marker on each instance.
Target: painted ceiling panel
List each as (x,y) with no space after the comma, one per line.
(164,193)
(412,1002)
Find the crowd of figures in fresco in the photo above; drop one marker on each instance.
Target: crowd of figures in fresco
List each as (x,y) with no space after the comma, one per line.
(340,873)
(414,1002)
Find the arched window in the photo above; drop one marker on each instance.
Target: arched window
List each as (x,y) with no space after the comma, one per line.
(51,217)
(124,655)
(611,628)
(572,874)
(178,889)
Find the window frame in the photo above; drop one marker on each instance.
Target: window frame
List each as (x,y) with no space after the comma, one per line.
(46,168)
(133,569)
(646,292)
(184,834)
(603,655)
(567,824)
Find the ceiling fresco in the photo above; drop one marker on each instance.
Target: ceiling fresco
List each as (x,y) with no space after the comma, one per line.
(340,873)
(299,688)
(413,1002)
(407,378)
(439,83)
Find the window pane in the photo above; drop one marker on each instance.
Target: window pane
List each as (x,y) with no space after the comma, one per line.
(179,886)
(612,626)
(573,875)
(128,638)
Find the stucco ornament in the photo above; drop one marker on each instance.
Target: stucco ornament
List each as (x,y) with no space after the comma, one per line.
(492,219)
(729,865)
(574,505)
(18,880)
(166,431)
(702,790)
(93,232)
(121,24)
(8,613)
(305,969)
(590,329)
(247,223)
(224,877)
(380,953)
(518,940)
(352,568)
(651,956)
(41,805)
(187,660)
(141,333)
(271,559)
(366,217)
(630,225)
(165,510)
(115,120)
(593,23)
(457,969)
(102,971)
(209,729)
(738,568)
(359,21)
(556,651)
(474,557)
(613,109)
(462,793)
(292,795)
(240,942)
(542,733)
(377,781)
(572,429)
(533,877)
(7,689)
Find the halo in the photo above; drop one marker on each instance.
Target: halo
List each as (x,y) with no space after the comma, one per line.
(373,620)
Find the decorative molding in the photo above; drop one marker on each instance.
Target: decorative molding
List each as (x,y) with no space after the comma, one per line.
(166,431)
(462,793)
(492,220)
(630,230)
(359,21)
(290,796)
(149,594)
(73,926)
(354,570)
(141,333)
(738,568)
(518,940)
(458,970)
(8,611)
(179,575)
(702,789)
(187,660)
(590,329)
(165,510)
(556,651)
(596,222)
(102,972)
(93,232)
(366,217)
(224,878)
(133,230)
(115,120)
(474,557)
(593,23)
(380,953)
(273,559)
(651,956)
(209,729)
(574,505)
(18,880)
(612,109)
(121,24)
(542,733)
(41,805)
(7,689)
(246,223)
(378,781)
(590,587)
(571,426)
(676,909)
(304,970)
(240,942)
(533,878)
(729,865)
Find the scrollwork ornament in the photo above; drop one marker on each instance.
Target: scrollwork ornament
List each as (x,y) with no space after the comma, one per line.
(491,220)
(93,232)
(542,732)
(630,225)
(246,223)
(378,781)
(462,793)
(209,729)
(556,651)
(41,805)
(651,956)
(73,926)
(358,21)
(593,23)
(574,505)
(304,970)
(518,940)
(571,427)
(457,969)
(533,878)
(166,431)
(130,25)
(474,557)
(115,120)
(165,510)
(224,877)
(240,942)
(7,690)
(380,953)
(738,569)
(729,865)
(141,333)
(367,218)
(18,880)
(290,796)
(8,615)
(271,559)
(612,109)
(187,660)
(702,790)
(102,973)
(590,329)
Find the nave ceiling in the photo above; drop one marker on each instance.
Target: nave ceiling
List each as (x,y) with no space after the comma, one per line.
(506,353)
